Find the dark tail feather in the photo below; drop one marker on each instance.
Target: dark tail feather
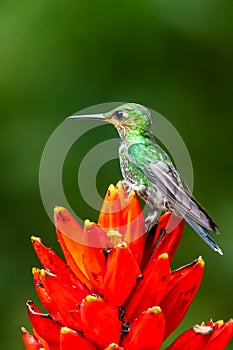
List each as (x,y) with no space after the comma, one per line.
(203,233)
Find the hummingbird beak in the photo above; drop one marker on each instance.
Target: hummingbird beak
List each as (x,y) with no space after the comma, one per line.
(88,116)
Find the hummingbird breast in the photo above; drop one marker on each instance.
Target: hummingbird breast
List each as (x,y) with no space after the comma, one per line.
(130,172)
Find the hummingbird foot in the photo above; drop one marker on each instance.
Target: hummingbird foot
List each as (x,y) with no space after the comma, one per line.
(128,186)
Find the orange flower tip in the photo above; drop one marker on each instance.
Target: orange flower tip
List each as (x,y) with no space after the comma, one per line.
(112,192)
(23,330)
(202,329)
(65,330)
(112,346)
(201,261)
(219,322)
(112,188)
(91,298)
(58,209)
(120,185)
(164,256)
(88,222)
(131,194)
(35,270)
(34,239)
(115,237)
(155,310)
(164,215)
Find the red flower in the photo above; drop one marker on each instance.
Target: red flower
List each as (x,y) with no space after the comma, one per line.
(116,289)
(209,336)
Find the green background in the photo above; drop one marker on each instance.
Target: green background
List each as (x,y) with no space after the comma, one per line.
(59,57)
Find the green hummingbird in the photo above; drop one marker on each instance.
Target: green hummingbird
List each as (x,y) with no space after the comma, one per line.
(150,172)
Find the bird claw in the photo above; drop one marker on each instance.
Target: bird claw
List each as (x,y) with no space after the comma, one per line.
(128,186)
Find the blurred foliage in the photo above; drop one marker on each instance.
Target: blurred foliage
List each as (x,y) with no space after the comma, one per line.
(58,57)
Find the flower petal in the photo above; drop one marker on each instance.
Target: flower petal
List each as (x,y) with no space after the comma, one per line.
(44,325)
(100,320)
(221,336)
(209,336)
(190,340)
(121,275)
(95,242)
(45,345)
(133,217)
(147,331)
(66,296)
(137,248)
(182,288)
(173,227)
(71,340)
(110,216)
(164,237)
(52,262)
(150,288)
(45,298)
(135,226)
(122,212)
(69,234)
(30,341)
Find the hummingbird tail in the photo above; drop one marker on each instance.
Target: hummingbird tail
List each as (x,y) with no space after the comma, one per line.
(203,233)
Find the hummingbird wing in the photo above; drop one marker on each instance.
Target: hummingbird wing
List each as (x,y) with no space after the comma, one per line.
(158,168)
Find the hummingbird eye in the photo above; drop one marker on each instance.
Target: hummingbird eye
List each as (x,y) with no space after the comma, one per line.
(119,114)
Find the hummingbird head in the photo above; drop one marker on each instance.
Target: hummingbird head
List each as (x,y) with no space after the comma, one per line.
(130,117)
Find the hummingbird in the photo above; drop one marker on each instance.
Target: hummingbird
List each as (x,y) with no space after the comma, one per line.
(148,169)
